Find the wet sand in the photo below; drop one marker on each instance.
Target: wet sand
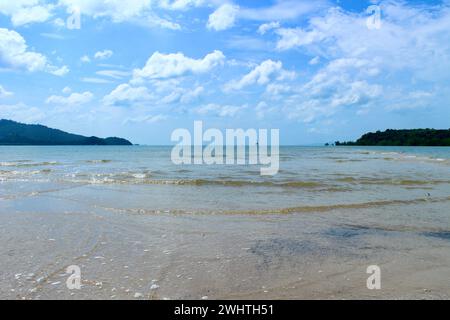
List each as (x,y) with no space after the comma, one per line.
(309,255)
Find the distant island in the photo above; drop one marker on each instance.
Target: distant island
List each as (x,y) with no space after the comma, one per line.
(414,137)
(18,134)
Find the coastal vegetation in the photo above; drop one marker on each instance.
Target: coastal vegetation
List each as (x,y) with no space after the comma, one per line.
(413,137)
(15,133)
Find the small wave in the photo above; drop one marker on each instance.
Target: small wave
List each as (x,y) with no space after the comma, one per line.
(26,163)
(233,183)
(289,210)
(183,171)
(15,173)
(348,160)
(401,182)
(98,161)
(145,178)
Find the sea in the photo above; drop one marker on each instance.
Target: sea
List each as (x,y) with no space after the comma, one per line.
(139,226)
(309,178)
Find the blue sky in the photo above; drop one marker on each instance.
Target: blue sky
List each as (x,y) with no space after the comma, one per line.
(319,71)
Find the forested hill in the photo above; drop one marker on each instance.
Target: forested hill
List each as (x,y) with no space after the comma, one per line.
(414,137)
(14,133)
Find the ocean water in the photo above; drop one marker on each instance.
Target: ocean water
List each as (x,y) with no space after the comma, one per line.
(139,226)
(143,179)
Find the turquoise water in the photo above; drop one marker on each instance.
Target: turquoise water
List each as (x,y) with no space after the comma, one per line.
(144,179)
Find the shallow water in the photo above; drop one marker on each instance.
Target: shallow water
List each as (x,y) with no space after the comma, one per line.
(308,177)
(128,216)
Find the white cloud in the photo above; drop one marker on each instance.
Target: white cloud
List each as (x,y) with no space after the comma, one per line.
(275,89)
(26,11)
(264,28)
(137,11)
(31,15)
(261,75)
(125,94)
(146,119)
(85,59)
(291,38)
(102,55)
(420,43)
(223,18)
(21,112)
(219,110)
(4,93)
(283,10)
(262,110)
(180,4)
(182,95)
(58,71)
(60,23)
(314,61)
(115,74)
(366,69)
(74,99)
(191,95)
(95,80)
(66,90)
(117,10)
(160,66)
(343,83)
(14,53)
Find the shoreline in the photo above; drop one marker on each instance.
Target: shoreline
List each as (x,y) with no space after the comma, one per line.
(297,256)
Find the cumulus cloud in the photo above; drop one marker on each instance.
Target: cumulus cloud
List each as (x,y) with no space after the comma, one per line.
(191,95)
(367,68)
(15,54)
(58,71)
(85,59)
(223,18)
(180,4)
(296,37)
(21,112)
(219,110)
(407,39)
(66,90)
(261,75)
(342,83)
(26,11)
(160,66)
(117,10)
(125,94)
(136,11)
(74,99)
(267,27)
(182,95)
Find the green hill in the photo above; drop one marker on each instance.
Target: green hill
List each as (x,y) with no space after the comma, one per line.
(413,137)
(14,133)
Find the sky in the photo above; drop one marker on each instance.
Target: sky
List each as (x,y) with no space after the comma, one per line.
(319,71)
